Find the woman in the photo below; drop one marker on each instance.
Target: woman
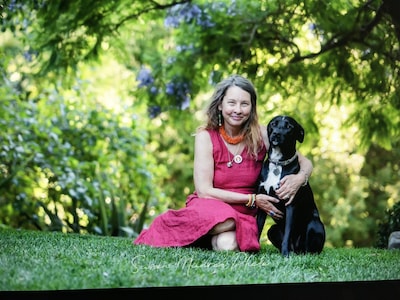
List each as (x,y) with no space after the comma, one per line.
(229,151)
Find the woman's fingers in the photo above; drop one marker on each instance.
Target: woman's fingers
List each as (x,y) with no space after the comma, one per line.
(274,213)
(272,199)
(289,201)
(287,189)
(265,203)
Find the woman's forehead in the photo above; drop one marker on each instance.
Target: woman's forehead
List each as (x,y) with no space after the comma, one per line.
(238,94)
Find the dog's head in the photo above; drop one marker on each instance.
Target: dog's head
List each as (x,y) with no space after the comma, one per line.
(284,131)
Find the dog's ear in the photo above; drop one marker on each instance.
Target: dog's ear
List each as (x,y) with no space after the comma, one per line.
(299,132)
(298,129)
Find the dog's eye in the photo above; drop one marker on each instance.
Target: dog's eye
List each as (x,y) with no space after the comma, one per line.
(289,126)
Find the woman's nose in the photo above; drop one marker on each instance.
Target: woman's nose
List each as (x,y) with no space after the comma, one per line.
(238,108)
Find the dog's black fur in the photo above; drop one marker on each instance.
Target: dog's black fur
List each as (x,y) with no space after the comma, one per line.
(301,230)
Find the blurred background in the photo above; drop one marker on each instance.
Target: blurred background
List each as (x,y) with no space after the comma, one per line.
(99,101)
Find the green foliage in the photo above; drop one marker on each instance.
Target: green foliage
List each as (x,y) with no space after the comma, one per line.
(388,225)
(69,165)
(71,161)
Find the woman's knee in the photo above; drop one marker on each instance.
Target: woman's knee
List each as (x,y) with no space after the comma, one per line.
(227,225)
(225,241)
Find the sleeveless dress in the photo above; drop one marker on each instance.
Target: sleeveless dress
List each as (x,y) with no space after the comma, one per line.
(189,226)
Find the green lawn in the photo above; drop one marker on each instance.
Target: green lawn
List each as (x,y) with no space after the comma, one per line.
(44,261)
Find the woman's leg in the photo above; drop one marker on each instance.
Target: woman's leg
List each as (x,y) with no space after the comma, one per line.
(224,236)
(224,241)
(227,225)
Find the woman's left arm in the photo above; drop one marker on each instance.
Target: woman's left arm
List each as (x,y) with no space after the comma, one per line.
(290,184)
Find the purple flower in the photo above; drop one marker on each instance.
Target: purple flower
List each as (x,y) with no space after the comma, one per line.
(145,78)
(186,13)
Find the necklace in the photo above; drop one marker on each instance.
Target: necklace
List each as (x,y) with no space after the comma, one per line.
(229,139)
(237,158)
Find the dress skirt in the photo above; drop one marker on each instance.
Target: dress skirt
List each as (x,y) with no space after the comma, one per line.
(190,226)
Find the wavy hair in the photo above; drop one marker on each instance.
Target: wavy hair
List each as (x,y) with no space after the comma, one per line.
(251,129)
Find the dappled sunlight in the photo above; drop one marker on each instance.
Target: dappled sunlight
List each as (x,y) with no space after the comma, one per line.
(100,108)
(307,40)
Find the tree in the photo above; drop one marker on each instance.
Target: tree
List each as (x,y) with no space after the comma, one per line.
(333,65)
(304,38)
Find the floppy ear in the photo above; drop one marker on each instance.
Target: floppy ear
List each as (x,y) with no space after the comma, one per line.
(299,132)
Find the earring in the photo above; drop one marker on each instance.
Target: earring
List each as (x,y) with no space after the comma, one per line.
(219,118)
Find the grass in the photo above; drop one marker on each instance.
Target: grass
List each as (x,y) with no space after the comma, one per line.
(44,261)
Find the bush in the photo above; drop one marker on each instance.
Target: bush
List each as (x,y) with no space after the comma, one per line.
(392,223)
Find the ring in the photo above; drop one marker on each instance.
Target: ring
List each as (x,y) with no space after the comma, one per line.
(271,213)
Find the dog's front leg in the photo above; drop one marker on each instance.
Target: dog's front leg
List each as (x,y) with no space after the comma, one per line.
(286,241)
(261,217)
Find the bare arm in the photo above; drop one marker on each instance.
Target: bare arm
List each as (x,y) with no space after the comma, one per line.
(203,172)
(290,184)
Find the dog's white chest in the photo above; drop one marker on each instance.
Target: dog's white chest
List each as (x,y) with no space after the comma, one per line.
(273,178)
(274,173)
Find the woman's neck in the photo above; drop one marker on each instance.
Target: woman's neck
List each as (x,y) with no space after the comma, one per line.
(231,139)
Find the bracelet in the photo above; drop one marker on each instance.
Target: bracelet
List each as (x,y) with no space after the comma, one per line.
(249,202)
(306,178)
(252,200)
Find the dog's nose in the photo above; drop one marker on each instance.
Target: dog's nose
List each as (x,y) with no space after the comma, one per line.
(276,138)
(275,135)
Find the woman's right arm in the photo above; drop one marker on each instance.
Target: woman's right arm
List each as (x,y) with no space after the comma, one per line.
(203,170)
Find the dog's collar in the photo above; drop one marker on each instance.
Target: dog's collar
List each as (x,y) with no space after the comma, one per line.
(284,162)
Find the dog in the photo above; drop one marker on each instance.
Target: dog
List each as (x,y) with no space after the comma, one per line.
(301,229)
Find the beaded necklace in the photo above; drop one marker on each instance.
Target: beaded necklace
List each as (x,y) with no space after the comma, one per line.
(229,139)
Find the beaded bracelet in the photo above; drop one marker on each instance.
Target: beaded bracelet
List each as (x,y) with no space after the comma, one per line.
(252,200)
(249,202)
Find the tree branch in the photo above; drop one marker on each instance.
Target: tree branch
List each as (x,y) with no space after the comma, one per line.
(357,35)
(153,6)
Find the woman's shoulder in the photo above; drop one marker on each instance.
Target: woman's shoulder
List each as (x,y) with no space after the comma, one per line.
(206,132)
(203,134)
(207,137)
(264,134)
(203,141)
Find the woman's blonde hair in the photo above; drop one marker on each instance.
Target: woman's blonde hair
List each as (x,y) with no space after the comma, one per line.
(251,129)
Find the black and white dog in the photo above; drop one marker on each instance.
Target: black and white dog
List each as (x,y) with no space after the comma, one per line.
(301,230)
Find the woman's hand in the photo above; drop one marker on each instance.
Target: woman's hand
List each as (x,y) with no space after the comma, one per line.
(265,203)
(289,185)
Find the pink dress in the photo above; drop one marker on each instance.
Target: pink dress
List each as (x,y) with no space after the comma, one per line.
(189,226)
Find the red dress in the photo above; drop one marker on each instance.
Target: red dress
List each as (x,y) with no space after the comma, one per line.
(189,226)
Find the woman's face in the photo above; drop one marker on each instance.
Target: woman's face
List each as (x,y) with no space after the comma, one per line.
(235,106)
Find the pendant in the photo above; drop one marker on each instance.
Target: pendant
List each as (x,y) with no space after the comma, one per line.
(238,159)
(276,171)
(229,164)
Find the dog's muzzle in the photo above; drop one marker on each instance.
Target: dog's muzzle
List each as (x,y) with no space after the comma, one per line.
(275,138)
